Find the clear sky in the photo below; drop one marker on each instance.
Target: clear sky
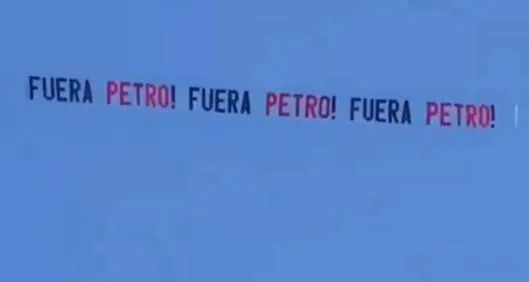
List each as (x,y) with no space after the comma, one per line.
(109,193)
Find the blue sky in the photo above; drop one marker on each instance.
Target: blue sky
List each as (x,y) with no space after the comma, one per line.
(98,193)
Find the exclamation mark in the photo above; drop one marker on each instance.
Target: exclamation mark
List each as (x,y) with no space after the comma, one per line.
(333,107)
(492,116)
(173,97)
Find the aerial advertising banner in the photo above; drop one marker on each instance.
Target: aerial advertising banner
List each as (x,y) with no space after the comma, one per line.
(275,103)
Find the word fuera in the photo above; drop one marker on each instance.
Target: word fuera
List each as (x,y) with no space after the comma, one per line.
(381,110)
(220,100)
(61,89)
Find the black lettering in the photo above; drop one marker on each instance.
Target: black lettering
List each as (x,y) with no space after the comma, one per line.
(380,110)
(406,113)
(368,110)
(219,100)
(87,95)
(353,107)
(192,97)
(245,106)
(393,110)
(75,86)
(233,98)
(51,94)
(324,107)
(32,86)
(173,96)
(207,102)
(59,86)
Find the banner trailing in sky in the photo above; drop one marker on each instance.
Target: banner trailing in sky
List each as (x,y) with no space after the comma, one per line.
(238,101)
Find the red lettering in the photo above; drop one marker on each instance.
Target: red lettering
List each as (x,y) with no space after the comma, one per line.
(324,109)
(484,116)
(432,109)
(445,114)
(112,89)
(271,101)
(310,106)
(298,105)
(163,96)
(471,115)
(459,108)
(151,93)
(475,116)
(138,87)
(283,105)
(298,98)
(123,93)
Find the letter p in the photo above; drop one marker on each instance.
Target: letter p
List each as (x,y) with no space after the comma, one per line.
(271,101)
(112,89)
(432,109)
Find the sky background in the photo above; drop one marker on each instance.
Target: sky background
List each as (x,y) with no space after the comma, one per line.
(98,193)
